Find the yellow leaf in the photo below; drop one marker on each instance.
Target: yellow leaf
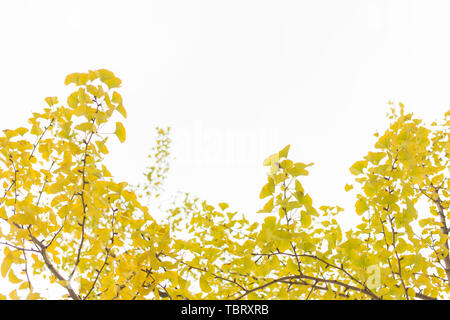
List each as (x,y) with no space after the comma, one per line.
(104,74)
(33,296)
(21,131)
(268,207)
(375,157)
(361,206)
(24,285)
(86,126)
(284,153)
(267,190)
(291,267)
(120,131)
(357,167)
(271,159)
(299,169)
(6,264)
(3,214)
(305,219)
(270,222)
(348,187)
(72,78)
(101,146)
(299,188)
(223,205)
(51,100)
(12,278)
(204,285)
(92,75)
(91,89)
(23,218)
(82,79)
(116,98)
(13,295)
(122,111)
(105,171)
(72,100)
(113,82)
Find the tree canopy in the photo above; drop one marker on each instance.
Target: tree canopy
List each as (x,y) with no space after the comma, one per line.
(65,218)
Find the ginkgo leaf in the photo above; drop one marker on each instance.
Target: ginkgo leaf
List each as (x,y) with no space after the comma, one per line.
(21,131)
(204,285)
(104,74)
(6,264)
(361,206)
(72,100)
(270,222)
(82,79)
(348,187)
(24,285)
(116,98)
(223,205)
(13,295)
(92,90)
(71,78)
(120,131)
(3,214)
(284,153)
(122,110)
(267,190)
(299,169)
(299,188)
(51,100)
(357,167)
(12,278)
(33,296)
(268,207)
(113,82)
(305,219)
(375,157)
(101,146)
(86,126)
(269,161)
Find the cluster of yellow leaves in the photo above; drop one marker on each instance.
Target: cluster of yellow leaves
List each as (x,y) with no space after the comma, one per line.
(410,165)
(291,251)
(63,215)
(300,252)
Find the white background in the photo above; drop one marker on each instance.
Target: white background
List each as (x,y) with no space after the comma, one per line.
(236,80)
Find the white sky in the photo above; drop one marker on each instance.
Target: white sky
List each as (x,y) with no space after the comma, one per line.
(237,80)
